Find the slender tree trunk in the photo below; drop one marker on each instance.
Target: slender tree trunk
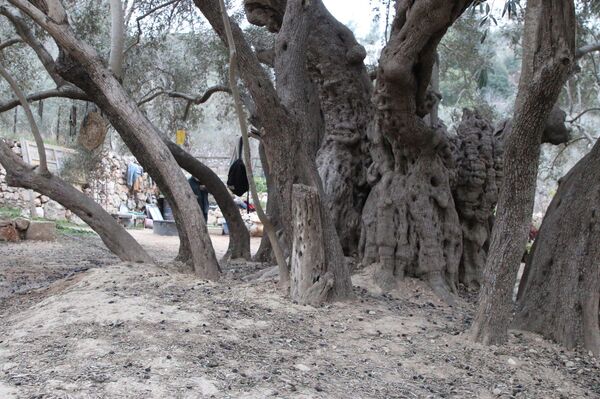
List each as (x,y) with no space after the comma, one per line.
(114,236)
(239,237)
(548,54)
(117,38)
(265,252)
(235,92)
(560,288)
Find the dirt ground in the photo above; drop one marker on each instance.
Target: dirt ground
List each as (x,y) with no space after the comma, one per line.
(77,323)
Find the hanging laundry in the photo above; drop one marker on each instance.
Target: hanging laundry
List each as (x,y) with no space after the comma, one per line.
(134,171)
(237,179)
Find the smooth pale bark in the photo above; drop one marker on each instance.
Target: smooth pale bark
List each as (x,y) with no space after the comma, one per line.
(117,38)
(114,236)
(548,55)
(560,288)
(80,64)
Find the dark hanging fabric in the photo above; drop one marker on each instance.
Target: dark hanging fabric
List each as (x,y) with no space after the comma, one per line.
(237,180)
(201,195)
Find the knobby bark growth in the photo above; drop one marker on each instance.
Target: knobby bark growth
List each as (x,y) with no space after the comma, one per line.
(478,159)
(81,65)
(560,288)
(548,55)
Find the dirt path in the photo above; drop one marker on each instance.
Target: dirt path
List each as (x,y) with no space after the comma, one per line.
(138,331)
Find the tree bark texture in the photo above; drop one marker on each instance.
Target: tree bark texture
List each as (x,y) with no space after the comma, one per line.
(548,54)
(560,288)
(478,160)
(114,236)
(80,64)
(410,224)
(310,281)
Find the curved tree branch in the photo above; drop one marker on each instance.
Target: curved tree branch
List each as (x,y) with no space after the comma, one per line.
(582,51)
(9,43)
(194,99)
(139,19)
(66,91)
(583,113)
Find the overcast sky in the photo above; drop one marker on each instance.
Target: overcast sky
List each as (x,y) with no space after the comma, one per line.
(354,13)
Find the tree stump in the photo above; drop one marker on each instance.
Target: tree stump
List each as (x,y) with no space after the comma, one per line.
(310,281)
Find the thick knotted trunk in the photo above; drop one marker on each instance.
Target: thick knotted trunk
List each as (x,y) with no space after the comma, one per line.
(548,54)
(560,289)
(114,236)
(411,226)
(239,237)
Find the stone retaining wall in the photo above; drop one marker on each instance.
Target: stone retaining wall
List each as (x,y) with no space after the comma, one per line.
(108,187)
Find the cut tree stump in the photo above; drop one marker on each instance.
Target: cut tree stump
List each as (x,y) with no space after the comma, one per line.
(310,281)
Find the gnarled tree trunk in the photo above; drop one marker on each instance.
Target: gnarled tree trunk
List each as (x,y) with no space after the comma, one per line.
(335,65)
(114,236)
(548,54)
(560,288)
(410,223)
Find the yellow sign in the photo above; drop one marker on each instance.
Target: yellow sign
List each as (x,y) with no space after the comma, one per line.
(180,137)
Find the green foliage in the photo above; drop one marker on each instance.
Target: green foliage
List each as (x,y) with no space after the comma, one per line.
(261,184)
(9,213)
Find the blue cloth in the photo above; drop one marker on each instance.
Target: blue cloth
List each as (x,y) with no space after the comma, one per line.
(134,171)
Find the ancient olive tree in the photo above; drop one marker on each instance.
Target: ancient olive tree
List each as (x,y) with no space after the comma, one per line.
(548,55)
(391,236)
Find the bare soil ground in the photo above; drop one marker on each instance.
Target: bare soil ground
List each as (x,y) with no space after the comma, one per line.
(77,323)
